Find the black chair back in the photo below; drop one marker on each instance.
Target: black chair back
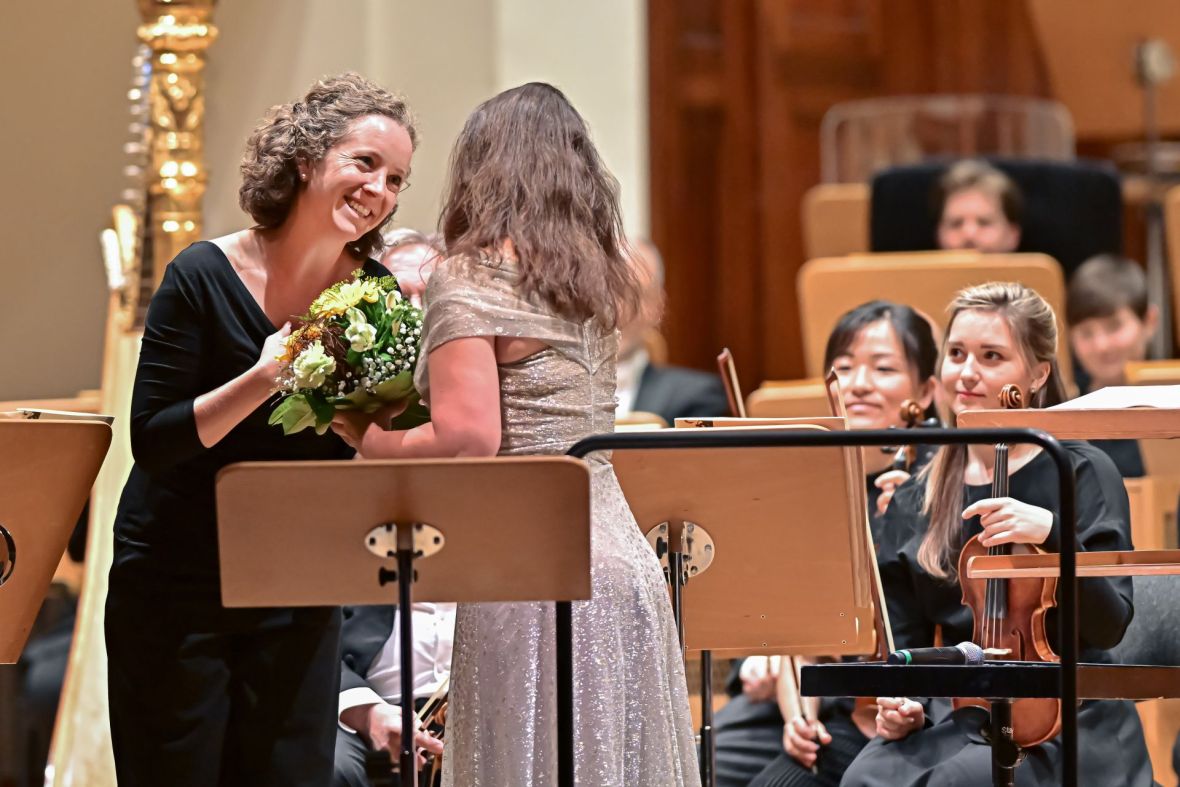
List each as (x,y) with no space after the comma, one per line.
(1072,210)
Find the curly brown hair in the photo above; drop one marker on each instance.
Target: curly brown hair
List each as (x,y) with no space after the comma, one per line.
(303,131)
(524,169)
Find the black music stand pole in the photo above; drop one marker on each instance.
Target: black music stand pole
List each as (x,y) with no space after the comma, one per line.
(1006,754)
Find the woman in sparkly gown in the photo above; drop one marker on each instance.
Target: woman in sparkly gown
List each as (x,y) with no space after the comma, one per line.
(518,357)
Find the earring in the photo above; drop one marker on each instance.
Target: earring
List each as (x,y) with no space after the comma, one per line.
(1032,391)
(303,176)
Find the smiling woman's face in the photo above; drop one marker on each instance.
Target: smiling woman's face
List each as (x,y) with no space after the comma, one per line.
(357,182)
(981,357)
(876,377)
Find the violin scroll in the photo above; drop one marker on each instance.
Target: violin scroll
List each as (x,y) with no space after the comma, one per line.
(1011,397)
(911,413)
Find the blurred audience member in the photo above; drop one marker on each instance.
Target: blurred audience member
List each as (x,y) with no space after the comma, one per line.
(670,392)
(1110,323)
(411,256)
(1110,320)
(979,208)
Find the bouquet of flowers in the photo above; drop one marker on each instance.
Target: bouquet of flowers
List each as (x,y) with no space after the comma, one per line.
(355,349)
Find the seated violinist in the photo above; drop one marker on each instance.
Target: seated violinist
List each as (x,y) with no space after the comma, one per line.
(999,335)
(883,354)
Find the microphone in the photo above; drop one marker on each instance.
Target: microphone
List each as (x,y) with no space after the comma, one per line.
(963,653)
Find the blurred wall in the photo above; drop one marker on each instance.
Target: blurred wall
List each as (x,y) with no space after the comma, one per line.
(62,173)
(62,126)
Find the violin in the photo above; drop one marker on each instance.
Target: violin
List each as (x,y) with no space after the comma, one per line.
(911,415)
(433,718)
(1010,614)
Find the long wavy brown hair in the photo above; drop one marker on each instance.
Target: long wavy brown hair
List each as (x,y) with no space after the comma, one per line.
(1034,326)
(524,169)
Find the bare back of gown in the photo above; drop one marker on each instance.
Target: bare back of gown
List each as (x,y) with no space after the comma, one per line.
(632,721)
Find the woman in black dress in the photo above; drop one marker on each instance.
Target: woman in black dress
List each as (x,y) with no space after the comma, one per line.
(999,334)
(200,694)
(883,354)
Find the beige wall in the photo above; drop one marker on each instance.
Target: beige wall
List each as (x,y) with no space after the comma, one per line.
(596,52)
(63,121)
(62,175)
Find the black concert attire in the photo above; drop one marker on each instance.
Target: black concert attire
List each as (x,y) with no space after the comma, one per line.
(673,392)
(1112,749)
(201,694)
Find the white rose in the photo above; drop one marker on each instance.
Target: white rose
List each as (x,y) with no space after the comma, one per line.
(313,366)
(360,334)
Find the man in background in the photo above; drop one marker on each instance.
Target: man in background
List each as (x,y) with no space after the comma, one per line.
(670,392)
(410,257)
(980,208)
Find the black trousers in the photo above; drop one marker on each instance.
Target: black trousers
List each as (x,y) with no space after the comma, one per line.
(834,759)
(749,736)
(201,695)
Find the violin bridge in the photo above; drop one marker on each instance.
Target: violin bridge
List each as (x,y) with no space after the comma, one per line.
(996,653)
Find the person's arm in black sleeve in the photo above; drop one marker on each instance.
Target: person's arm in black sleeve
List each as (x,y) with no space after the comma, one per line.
(163,427)
(171,419)
(910,627)
(1105,604)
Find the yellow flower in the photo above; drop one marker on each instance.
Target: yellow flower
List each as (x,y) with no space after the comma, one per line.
(342,297)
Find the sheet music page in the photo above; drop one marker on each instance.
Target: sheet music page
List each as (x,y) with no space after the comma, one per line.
(1121,397)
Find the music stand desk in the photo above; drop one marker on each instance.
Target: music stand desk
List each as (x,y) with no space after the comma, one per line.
(46,470)
(1013,680)
(326,533)
(1129,423)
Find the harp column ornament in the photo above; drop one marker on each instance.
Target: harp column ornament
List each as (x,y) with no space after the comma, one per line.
(178,34)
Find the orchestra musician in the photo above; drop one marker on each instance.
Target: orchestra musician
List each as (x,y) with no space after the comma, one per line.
(1000,334)
(884,355)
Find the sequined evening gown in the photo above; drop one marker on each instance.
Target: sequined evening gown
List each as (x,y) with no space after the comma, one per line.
(631,712)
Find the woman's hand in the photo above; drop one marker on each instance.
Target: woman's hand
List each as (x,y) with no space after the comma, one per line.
(273,348)
(1008,521)
(888,484)
(802,740)
(897,717)
(351,425)
(759,676)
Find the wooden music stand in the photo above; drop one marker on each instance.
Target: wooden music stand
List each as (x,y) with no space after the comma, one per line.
(46,470)
(750,551)
(1090,59)
(466,530)
(747,576)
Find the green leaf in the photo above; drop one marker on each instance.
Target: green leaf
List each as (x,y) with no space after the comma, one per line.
(293,414)
(396,388)
(324,413)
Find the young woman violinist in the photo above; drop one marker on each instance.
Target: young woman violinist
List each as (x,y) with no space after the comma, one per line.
(999,334)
